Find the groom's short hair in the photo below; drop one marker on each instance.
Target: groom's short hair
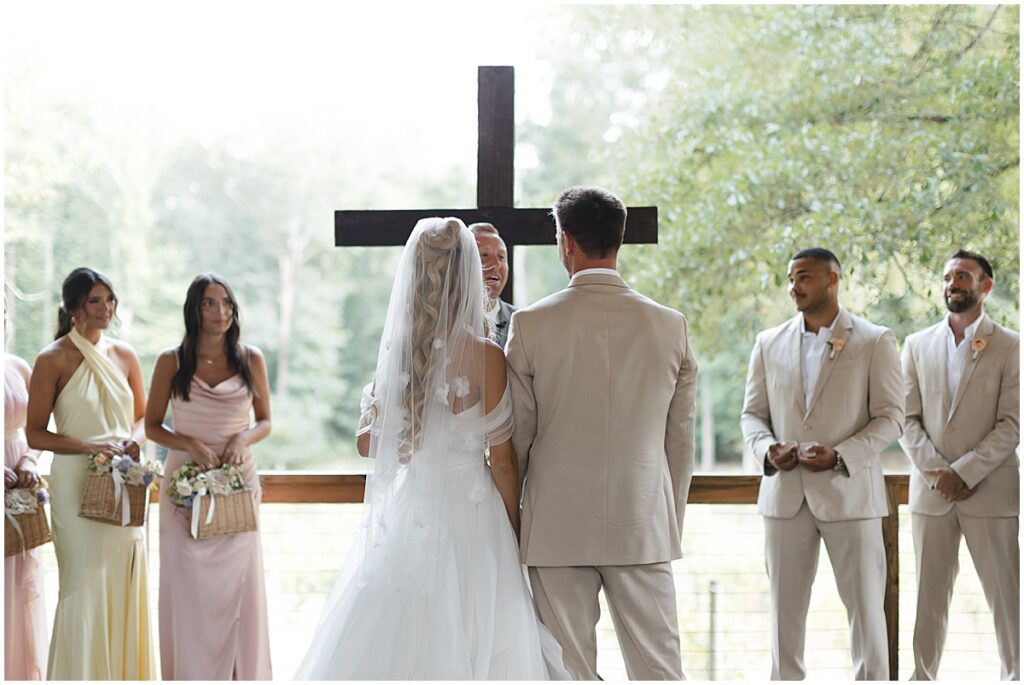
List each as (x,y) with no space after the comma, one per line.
(594,217)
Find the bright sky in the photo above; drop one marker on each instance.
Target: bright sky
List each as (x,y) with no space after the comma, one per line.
(207,66)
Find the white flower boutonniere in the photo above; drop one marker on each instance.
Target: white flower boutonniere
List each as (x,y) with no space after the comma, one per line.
(835,346)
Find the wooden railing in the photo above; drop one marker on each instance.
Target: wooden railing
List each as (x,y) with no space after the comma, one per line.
(313,488)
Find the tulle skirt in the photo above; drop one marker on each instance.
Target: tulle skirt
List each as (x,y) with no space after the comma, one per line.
(433,590)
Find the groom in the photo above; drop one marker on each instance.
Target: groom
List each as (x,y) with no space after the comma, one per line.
(602,381)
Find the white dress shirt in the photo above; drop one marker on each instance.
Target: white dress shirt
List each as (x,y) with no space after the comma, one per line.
(492,313)
(812,347)
(956,355)
(596,270)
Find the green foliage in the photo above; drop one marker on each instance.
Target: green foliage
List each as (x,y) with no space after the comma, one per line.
(888,134)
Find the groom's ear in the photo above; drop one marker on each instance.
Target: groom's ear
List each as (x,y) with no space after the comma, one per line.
(568,243)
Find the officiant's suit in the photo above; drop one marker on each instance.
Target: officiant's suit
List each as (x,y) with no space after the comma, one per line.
(856,407)
(602,381)
(976,432)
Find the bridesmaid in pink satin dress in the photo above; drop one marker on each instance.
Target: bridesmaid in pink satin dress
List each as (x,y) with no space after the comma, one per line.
(24,608)
(213,603)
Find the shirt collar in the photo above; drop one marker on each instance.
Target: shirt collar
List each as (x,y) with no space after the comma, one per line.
(825,329)
(596,270)
(968,332)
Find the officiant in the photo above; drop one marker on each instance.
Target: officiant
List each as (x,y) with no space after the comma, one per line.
(494,259)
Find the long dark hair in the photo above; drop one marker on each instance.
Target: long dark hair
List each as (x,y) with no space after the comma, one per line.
(74,292)
(187,354)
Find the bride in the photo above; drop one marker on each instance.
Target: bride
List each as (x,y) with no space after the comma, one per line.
(433,588)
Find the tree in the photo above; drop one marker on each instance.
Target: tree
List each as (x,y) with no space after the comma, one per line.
(889,134)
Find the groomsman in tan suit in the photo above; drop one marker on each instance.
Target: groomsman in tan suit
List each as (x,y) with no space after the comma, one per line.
(602,382)
(824,397)
(963,430)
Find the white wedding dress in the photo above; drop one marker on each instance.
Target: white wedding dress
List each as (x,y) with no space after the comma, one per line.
(433,588)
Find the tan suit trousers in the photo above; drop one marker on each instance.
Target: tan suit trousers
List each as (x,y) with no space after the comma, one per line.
(642,600)
(858,562)
(993,545)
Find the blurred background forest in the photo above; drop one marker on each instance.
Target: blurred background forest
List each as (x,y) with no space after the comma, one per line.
(156,145)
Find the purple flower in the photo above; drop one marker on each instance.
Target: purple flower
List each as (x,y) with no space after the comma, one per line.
(147,479)
(42,496)
(187,503)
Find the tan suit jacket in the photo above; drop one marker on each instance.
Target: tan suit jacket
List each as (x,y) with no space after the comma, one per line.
(977,431)
(603,382)
(856,408)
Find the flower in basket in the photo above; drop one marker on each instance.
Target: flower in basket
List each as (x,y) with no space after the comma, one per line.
(218,482)
(188,481)
(99,463)
(132,472)
(19,501)
(26,500)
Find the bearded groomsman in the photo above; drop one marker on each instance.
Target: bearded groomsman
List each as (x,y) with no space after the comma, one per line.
(963,428)
(824,397)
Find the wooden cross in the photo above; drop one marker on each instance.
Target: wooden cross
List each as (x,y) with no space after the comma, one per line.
(495,175)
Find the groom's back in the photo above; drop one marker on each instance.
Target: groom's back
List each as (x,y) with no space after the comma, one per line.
(596,373)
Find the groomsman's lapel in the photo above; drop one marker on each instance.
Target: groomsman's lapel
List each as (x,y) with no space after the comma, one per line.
(934,355)
(985,330)
(832,356)
(792,338)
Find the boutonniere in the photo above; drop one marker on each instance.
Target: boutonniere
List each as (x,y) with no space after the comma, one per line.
(977,345)
(835,345)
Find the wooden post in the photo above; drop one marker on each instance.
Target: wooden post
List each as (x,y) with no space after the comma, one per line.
(891,539)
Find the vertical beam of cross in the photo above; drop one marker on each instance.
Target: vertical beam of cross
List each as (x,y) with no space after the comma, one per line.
(495,150)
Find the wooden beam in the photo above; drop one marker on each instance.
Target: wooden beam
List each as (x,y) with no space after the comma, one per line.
(380,227)
(896,491)
(496,137)
(332,488)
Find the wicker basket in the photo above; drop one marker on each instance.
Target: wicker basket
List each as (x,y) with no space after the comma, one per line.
(234,513)
(35,531)
(98,501)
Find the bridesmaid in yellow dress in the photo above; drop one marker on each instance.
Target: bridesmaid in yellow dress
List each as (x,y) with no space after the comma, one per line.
(24,606)
(93,387)
(213,600)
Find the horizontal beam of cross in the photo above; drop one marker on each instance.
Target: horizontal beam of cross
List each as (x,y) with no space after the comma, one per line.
(365,228)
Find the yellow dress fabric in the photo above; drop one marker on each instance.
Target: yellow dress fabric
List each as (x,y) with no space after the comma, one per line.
(102,628)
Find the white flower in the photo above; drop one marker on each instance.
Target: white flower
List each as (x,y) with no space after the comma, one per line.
(404,379)
(183,487)
(20,501)
(134,477)
(441,393)
(218,482)
(461,386)
(438,343)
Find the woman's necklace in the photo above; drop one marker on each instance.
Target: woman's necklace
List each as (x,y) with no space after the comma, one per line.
(211,360)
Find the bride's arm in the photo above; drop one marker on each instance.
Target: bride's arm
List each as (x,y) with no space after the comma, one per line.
(504,465)
(505,472)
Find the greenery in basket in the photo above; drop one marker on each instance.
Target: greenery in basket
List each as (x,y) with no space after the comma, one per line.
(26,500)
(133,472)
(189,480)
